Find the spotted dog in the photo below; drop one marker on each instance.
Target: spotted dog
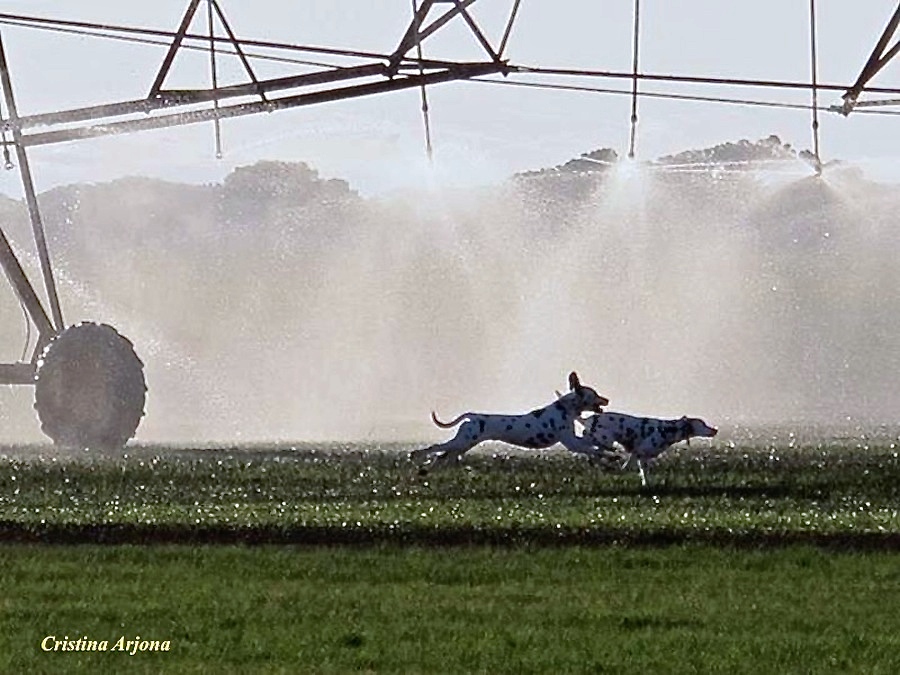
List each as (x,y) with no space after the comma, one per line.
(539,428)
(643,438)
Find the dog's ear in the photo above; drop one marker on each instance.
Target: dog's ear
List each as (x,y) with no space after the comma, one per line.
(573,381)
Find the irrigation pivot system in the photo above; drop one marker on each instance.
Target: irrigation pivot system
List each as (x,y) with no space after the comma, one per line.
(89,383)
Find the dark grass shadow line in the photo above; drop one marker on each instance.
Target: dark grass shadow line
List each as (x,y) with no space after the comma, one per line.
(775,491)
(437,491)
(431,537)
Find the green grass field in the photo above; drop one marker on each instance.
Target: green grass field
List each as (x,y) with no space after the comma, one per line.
(765,556)
(824,494)
(471,609)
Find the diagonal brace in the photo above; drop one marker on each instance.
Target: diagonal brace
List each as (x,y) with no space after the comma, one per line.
(173,48)
(477,32)
(240,51)
(877,60)
(37,225)
(412,37)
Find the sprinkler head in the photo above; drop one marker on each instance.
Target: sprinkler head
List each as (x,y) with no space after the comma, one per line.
(817,167)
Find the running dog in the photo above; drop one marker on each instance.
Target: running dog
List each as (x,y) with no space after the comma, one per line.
(539,428)
(643,438)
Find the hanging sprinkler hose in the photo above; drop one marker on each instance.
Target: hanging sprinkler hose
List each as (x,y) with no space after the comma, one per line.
(817,160)
(634,78)
(7,160)
(426,118)
(214,76)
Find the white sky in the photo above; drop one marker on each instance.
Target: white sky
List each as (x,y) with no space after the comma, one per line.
(482,133)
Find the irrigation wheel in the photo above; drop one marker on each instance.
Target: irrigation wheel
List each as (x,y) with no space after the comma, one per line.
(90,388)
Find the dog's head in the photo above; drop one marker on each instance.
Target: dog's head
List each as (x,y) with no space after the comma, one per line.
(586,398)
(694,427)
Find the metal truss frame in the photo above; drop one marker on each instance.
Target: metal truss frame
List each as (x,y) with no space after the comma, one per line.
(177,107)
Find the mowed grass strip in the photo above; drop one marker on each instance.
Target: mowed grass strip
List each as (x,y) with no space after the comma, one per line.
(457,610)
(842,494)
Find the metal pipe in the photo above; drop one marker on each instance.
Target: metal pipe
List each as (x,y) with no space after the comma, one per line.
(34,212)
(192,117)
(169,98)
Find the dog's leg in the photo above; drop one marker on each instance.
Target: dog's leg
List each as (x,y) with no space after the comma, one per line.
(644,471)
(445,459)
(423,454)
(437,457)
(605,457)
(580,445)
(470,434)
(445,453)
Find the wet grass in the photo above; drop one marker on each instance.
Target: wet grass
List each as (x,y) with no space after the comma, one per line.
(778,557)
(835,493)
(459,610)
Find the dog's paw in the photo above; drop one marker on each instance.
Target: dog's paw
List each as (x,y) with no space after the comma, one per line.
(420,455)
(608,460)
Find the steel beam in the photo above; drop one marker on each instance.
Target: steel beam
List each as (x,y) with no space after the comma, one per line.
(461,72)
(509,26)
(877,60)
(442,20)
(173,48)
(237,47)
(17,373)
(160,99)
(169,98)
(23,288)
(412,35)
(477,31)
(410,39)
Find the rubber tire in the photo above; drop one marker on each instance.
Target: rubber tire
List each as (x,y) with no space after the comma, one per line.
(89,388)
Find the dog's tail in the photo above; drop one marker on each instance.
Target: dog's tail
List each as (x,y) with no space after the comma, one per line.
(447,425)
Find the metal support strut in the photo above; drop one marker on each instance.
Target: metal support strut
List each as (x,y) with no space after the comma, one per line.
(37,225)
(877,60)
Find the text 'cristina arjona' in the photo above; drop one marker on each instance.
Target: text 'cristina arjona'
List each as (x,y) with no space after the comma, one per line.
(85,644)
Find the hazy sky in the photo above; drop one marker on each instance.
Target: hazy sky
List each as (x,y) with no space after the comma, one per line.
(482,132)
